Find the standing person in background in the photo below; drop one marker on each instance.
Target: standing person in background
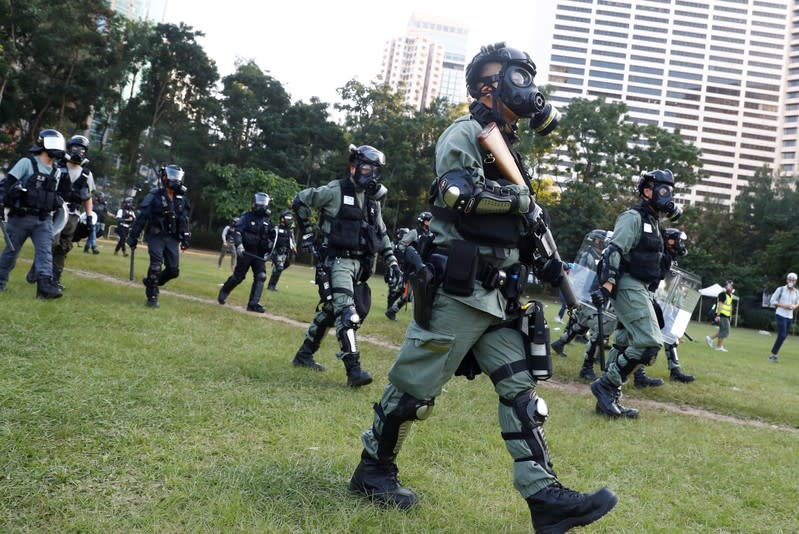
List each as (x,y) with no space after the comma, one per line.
(285,248)
(786,300)
(228,246)
(100,208)
(165,213)
(723,316)
(29,191)
(125,217)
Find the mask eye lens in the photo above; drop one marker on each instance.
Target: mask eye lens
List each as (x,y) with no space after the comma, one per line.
(521,78)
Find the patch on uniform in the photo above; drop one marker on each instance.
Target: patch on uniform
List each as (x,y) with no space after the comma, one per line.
(348,200)
(647,228)
(442,184)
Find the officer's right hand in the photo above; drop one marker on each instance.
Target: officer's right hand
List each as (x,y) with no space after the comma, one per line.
(307,243)
(600,296)
(239,250)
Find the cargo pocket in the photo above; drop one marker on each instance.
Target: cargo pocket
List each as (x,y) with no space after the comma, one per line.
(420,366)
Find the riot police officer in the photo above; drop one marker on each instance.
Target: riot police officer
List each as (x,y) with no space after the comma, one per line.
(164,211)
(75,187)
(284,248)
(632,266)
(399,294)
(100,208)
(254,239)
(29,191)
(353,233)
(125,217)
(488,232)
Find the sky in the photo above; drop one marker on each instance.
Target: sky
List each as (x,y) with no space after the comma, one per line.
(315,46)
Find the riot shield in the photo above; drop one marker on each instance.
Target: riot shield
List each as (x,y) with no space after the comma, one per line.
(677,295)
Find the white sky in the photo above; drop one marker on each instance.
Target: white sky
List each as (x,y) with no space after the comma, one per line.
(315,46)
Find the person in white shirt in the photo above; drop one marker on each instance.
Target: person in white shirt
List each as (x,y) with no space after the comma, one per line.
(786,300)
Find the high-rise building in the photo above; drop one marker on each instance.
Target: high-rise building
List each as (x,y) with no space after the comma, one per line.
(152,10)
(716,70)
(428,62)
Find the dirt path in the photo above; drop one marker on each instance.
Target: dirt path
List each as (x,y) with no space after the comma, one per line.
(561,386)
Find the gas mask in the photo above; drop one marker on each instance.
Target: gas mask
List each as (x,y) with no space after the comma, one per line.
(77,154)
(521,95)
(366,177)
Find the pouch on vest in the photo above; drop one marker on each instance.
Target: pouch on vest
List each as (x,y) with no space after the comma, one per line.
(461,269)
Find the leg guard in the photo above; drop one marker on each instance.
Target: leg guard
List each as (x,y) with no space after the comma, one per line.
(151,288)
(531,412)
(274,279)
(350,321)
(257,288)
(396,424)
(168,275)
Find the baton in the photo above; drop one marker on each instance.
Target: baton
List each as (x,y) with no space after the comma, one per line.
(255,256)
(686,334)
(600,330)
(8,238)
(132,258)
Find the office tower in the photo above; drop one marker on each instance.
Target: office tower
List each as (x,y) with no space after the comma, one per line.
(428,62)
(152,10)
(715,70)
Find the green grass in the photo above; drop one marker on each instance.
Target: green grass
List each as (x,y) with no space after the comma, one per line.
(190,418)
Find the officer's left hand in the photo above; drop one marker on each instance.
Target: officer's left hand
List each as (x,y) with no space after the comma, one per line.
(551,271)
(600,296)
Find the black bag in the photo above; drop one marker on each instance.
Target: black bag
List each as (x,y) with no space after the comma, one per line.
(711,314)
(362,295)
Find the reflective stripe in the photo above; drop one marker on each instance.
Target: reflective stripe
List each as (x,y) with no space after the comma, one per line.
(725,306)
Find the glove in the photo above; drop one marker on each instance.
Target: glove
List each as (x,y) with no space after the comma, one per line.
(239,250)
(551,271)
(132,242)
(600,296)
(395,274)
(307,242)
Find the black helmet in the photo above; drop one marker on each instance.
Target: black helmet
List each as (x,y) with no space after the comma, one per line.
(99,195)
(598,238)
(127,203)
(172,177)
(287,217)
(401,232)
(367,161)
(50,141)
(515,86)
(679,238)
(77,149)
(662,184)
(424,216)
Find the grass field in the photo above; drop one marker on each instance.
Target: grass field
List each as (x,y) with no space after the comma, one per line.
(190,418)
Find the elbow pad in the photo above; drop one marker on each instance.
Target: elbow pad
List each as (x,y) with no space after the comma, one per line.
(458,192)
(605,270)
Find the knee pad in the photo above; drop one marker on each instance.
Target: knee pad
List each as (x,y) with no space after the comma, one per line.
(397,423)
(350,318)
(532,412)
(649,355)
(168,275)
(154,272)
(260,277)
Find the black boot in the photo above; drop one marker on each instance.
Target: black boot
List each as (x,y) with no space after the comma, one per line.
(587,371)
(30,277)
(356,377)
(391,314)
(304,356)
(221,298)
(257,308)
(556,509)
(151,290)
(642,380)
(629,413)
(677,375)
(378,481)
(46,288)
(558,346)
(605,393)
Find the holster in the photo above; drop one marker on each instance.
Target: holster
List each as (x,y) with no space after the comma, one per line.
(424,283)
(322,280)
(534,329)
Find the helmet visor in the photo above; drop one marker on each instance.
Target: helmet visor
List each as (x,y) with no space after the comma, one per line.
(174,174)
(261,200)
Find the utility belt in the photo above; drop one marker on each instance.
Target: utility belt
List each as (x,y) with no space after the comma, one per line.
(345,253)
(463,266)
(22,212)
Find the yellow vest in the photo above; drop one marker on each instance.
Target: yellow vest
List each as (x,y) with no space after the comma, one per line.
(725,306)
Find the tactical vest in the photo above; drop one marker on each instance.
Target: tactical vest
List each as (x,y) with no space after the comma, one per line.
(283,241)
(354,228)
(36,192)
(125,220)
(74,193)
(171,217)
(645,256)
(257,234)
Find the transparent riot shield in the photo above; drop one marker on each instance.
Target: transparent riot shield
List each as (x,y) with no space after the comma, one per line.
(677,295)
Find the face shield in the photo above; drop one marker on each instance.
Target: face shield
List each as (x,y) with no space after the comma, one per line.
(53,145)
(173,177)
(260,203)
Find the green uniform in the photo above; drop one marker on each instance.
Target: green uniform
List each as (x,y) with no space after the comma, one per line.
(637,337)
(345,270)
(430,356)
